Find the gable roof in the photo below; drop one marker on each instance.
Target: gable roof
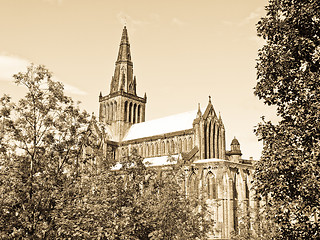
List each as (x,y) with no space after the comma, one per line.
(173,123)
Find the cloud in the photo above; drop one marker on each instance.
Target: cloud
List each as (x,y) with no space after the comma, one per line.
(253,16)
(125,19)
(10,65)
(73,90)
(177,22)
(132,23)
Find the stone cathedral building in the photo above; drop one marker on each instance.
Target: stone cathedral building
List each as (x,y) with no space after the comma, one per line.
(197,137)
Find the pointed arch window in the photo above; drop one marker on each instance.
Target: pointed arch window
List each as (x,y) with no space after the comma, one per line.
(163,148)
(107,111)
(184,145)
(208,140)
(115,111)
(156,149)
(180,145)
(111,112)
(125,111)
(134,113)
(190,145)
(139,117)
(211,186)
(130,112)
(193,185)
(172,147)
(152,150)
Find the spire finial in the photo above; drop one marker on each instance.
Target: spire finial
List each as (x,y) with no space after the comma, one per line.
(209,99)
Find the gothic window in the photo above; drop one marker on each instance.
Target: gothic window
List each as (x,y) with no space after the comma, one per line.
(107,111)
(163,148)
(147,150)
(139,117)
(246,189)
(205,141)
(152,150)
(104,110)
(156,149)
(115,110)
(193,185)
(218,143)
(211,186)
(134,113)
(208,139)
(216,140)
(184,143)
(190,143)
(111,112)
(212,145)
(125,111)
(144,151)
(130,112)
(180,145)
(168,148)
(172,146)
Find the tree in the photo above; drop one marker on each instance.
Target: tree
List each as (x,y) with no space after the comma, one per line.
(134,202)
(58,180)
(287,178)
(41,144)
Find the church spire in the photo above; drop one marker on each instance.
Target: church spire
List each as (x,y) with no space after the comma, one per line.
(124,50)
(123,79)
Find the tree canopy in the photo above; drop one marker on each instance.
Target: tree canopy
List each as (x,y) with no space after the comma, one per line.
(41,141)
(287,176)
(58,180)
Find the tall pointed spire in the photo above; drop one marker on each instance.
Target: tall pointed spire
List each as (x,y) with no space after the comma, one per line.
(123,79)
(124,50)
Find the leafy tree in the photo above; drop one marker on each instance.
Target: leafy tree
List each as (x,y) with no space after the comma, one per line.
(288,175)
(57,180)
(41,144)
(134,202)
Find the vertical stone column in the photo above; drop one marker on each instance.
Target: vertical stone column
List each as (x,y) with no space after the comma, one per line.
(101,105)
(231,206)
(223,145)
(225,206)
(143,113)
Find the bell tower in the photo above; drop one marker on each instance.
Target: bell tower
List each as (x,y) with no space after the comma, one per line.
(122,107)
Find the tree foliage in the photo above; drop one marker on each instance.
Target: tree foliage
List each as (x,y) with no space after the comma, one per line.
(134,202)
(58,180)
(41,141)
(287,177)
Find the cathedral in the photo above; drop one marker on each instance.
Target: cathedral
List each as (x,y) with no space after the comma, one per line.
(197,137)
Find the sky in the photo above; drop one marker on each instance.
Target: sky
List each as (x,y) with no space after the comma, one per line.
(183,51)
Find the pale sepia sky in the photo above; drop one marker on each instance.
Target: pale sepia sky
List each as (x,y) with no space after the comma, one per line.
(182,51)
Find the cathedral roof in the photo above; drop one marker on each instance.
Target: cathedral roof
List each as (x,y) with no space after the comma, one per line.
(173,123)
(156,161)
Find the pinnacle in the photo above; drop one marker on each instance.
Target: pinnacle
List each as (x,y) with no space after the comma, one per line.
(124,37)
